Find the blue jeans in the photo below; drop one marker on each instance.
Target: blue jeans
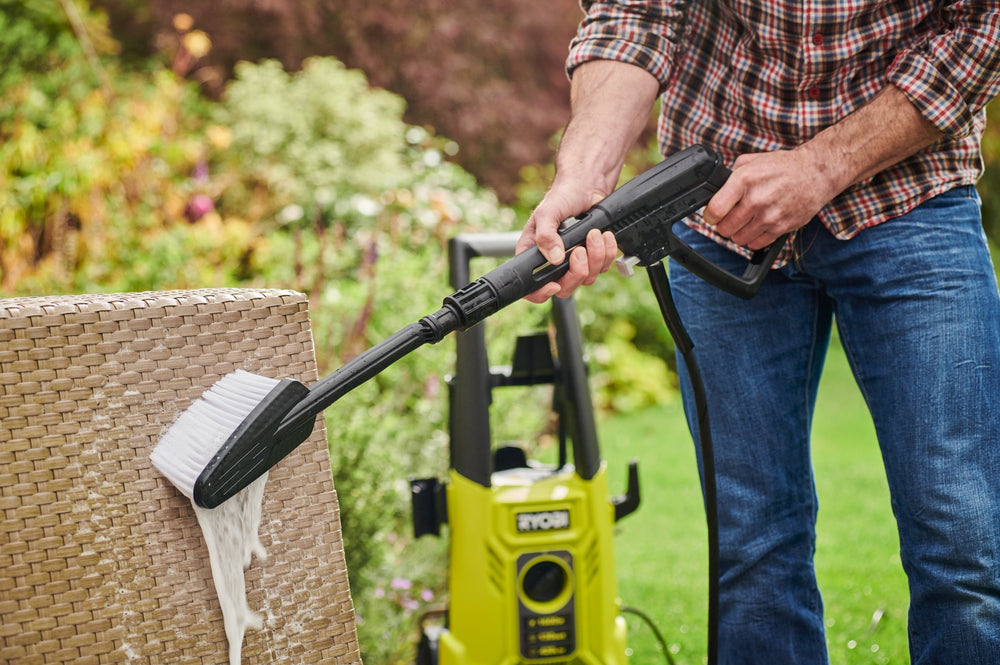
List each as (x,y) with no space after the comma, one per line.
(918,312)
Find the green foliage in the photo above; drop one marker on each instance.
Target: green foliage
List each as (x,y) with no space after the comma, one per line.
(989,186)
(489,75)
(95,163)
(631,380)
(93,183)
(317,138)
(32,36)
(35,37)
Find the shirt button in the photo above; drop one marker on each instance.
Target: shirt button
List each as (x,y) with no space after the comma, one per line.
(814,92)
(818,39)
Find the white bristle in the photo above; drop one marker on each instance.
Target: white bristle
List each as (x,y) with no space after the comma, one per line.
(198,433)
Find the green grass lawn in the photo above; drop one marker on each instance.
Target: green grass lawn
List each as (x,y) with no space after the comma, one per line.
(661,549)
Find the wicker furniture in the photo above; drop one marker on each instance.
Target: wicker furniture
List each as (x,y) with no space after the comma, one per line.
(101,559)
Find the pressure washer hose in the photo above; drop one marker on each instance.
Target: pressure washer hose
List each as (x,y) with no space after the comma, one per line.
(682,342)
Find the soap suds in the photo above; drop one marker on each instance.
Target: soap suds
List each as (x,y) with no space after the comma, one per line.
(231,535)
(230,530)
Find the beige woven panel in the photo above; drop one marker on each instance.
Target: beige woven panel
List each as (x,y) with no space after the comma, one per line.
(101,558)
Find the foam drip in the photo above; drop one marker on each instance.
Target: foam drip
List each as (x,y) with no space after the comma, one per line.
(231,535)
(230,530)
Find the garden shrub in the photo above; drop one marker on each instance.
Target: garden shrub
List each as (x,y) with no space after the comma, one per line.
(97,166)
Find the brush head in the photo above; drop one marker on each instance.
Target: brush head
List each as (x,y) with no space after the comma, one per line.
(254,446)
(199,436)
(203,428)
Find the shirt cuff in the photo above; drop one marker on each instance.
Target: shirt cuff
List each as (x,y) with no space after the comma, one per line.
(932,93)
(614,32)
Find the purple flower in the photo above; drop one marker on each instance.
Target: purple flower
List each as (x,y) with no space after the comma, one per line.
(198,206)
(400,583)
(200,171)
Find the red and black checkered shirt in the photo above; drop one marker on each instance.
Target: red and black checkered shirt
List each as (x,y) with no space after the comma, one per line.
(745,76)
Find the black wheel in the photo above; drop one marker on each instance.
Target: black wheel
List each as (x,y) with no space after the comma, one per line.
(427,649)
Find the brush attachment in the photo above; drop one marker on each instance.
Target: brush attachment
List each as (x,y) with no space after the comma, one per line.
(197,438)
(286,415)
(202,430)
(254,444)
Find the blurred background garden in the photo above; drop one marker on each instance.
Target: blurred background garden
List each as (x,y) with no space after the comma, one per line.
(333,147)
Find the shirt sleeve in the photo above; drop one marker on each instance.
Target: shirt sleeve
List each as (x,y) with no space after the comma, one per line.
(641,33)
(953,70)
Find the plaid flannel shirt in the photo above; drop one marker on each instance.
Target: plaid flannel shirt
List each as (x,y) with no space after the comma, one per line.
(758,75)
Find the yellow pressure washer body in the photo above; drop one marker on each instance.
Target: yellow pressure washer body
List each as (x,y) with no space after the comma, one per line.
(531,561)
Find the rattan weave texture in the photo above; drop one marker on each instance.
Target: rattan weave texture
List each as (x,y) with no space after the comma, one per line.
(101,559)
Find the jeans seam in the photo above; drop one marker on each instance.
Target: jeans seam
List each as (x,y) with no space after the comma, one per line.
(815,596)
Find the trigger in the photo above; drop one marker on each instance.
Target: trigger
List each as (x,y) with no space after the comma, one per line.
(568,222)
(626,265)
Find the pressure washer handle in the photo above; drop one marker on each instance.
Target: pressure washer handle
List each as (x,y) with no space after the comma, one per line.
(641,214)
(670,190)
(745,285)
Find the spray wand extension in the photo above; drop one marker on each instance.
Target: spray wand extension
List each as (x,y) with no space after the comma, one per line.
(641,214)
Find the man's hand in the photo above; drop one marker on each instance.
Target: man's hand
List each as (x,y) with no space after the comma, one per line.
(772,193)
(769,194)
(585,263)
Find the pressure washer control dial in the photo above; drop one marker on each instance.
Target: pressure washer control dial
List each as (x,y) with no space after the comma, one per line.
(546,612)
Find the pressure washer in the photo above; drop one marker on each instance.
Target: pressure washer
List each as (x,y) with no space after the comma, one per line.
(531,563)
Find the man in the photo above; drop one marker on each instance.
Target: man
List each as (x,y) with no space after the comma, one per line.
(855,125)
